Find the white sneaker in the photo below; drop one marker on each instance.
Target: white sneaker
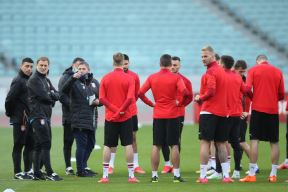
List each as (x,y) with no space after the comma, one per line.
(236,175)
(215,175)
(210,172)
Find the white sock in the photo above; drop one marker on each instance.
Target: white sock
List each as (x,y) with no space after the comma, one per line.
(112,159)
(105,170)
(229,162)
(225,169)
(135,160)
(273,170)
(176,172)
(209,164)
(213,162)
(130,169)
(168,163)
(286,161)
(203,171)
(154,173)
(252,169)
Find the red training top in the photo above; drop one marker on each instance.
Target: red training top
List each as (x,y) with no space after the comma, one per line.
(268,87)
(164,85)
(117,91)
(213,90)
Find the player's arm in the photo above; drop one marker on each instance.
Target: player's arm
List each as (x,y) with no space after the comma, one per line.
(129,98)
(281,92)
(189,97)
(103,98)
(183,90)
(137,87)
(211,89)
(142,92)
(14,92)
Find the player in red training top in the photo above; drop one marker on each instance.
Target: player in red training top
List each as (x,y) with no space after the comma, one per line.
(213,114)
(164,85)
(176,65)
(133,108)
(117,91)
(268,89)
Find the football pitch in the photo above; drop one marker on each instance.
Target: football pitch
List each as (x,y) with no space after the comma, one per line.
(118,181)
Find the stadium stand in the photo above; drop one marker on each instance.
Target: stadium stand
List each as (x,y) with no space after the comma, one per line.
(144,29)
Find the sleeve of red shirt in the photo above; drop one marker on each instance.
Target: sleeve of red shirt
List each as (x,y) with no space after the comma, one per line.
(130,96)
(137,87)
(246,90)
(103,99)
(187,100)
(211,87)
(281,92)
(142,92)
(287,103)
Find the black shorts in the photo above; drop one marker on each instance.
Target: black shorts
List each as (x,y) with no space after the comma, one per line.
(166,132)
(233,124)
(135,123)
(114,130)
(243,129)
(264,127)
(42,131)
(213,128)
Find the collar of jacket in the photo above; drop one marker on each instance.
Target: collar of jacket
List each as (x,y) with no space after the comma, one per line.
(68,71)
(40,74)
(23,74)
(213,63)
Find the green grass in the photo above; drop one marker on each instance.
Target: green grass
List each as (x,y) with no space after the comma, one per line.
(118,181)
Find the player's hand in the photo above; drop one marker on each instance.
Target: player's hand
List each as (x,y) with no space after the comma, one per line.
(77,75)
(197,99)
(96,102)
(244,115)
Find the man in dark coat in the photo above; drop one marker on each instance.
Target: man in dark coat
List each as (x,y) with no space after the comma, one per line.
(42,97)
(16,105)
(66,114)
(84,93)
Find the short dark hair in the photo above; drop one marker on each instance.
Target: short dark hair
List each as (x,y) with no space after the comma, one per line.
(126,57)
(240,64)
(165,60)
(176,58)
(227,61)
(76,59)
(118,59)
(27,59)
(217,57)
(86,64)
(43,59)
(262,57)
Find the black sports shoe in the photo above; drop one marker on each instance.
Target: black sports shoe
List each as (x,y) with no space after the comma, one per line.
(178,179)
(85,174)
(69,171)
(19,175)
(88,170)
(154,179)
(38,176)
(53,177)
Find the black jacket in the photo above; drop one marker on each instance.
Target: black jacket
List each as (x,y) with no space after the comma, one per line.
(41,96)
(16,103)
(64,97)
(83,115)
